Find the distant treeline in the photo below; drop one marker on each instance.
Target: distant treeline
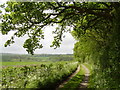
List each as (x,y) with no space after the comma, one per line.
(8,57)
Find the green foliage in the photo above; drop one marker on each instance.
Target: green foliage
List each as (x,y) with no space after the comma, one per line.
(100,47)
(36,76)
(96,27)
(32,17)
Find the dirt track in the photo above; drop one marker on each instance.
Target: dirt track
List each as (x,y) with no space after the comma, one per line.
(60,86)
(84,83)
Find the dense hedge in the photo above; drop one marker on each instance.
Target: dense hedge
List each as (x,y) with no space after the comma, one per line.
(100,46)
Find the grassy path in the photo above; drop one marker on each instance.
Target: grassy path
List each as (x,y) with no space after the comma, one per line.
(69,78)
(84,83)
(77,81)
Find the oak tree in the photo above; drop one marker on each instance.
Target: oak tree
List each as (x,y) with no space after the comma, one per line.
(31,17)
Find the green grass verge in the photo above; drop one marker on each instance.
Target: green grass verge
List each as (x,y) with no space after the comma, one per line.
(73,83)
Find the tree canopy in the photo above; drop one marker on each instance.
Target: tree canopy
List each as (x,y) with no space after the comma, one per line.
(31,17)
(96,27)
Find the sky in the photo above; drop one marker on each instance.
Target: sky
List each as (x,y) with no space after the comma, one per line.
(65,48)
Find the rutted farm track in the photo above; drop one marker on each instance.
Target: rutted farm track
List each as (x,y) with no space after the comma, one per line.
(64,82)
(82,84)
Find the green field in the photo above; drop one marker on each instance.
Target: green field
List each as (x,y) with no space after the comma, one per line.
(36,74)
(35,71)
(7,57)
(21,63)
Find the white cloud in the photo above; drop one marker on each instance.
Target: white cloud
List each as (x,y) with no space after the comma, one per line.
(3,1)
(66,46)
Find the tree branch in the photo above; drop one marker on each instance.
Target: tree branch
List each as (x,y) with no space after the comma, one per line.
(100,12)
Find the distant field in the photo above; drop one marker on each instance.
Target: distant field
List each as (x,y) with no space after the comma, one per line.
(21,63)
(7,57)
(28,63)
